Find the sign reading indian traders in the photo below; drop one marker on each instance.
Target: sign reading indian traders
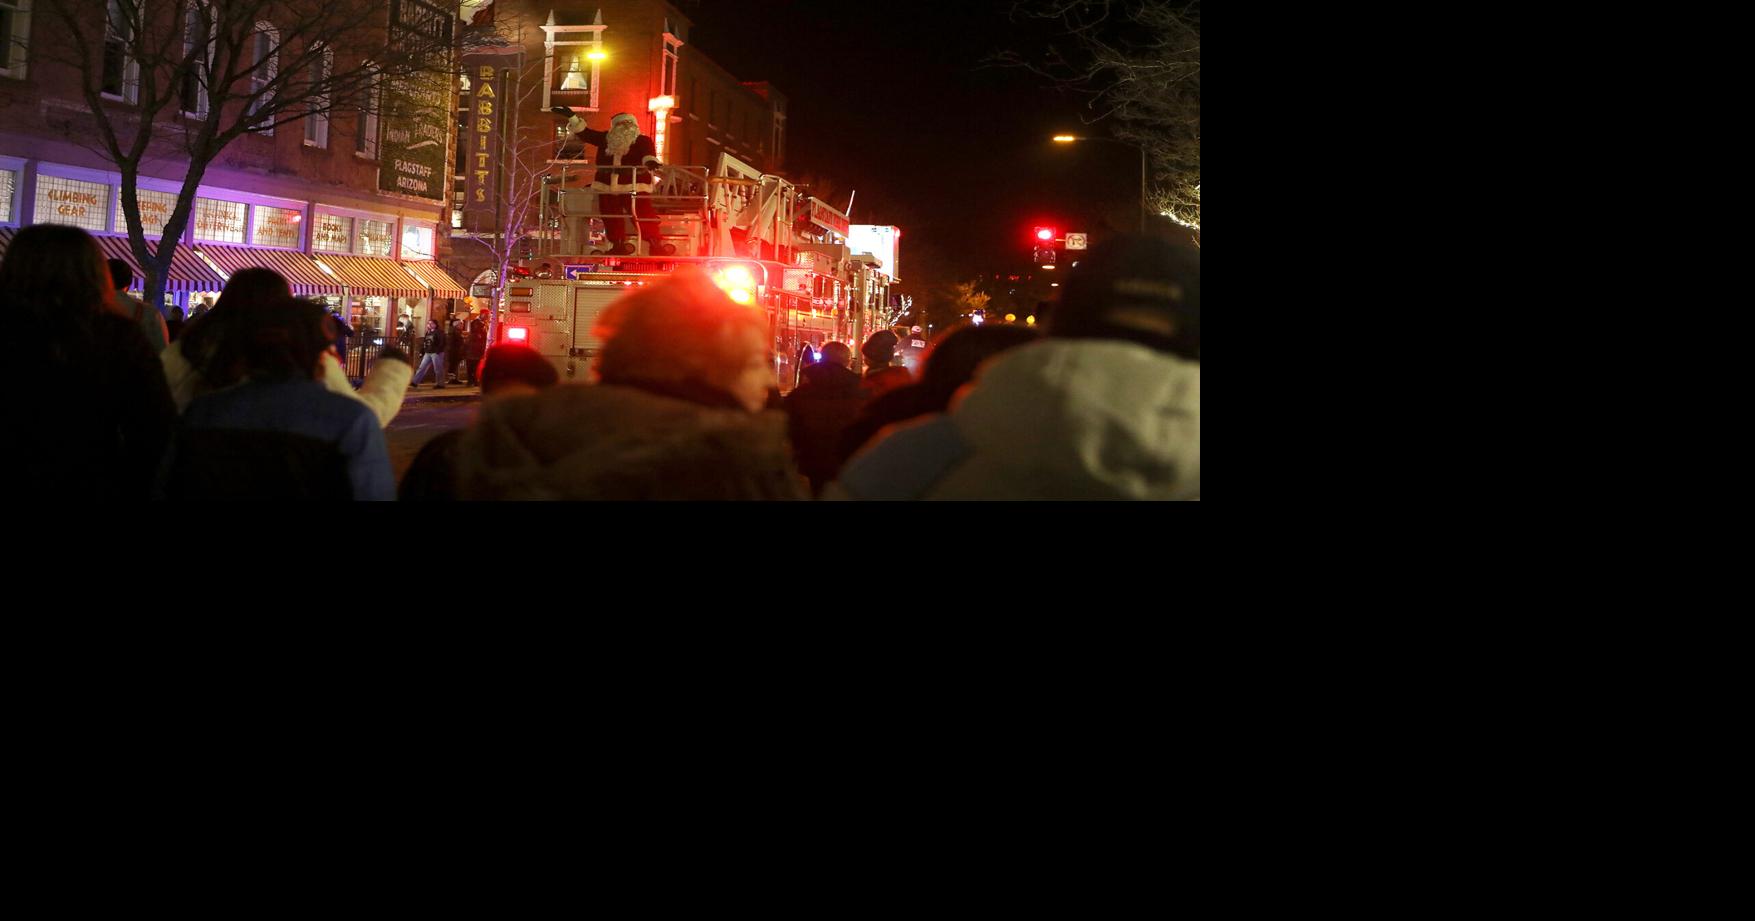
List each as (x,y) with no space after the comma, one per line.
(416,109)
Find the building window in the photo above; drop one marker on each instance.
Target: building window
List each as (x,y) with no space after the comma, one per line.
(14,36)
(668,84)
(375,238)
(264,67)
(155,211)
(197,62)
(8,186)
(574,69)
(219,221)
(332,234)
(277,227)
(69,201)
(317,117)
(121,73)
(458,200)
(365,139)
(417,242)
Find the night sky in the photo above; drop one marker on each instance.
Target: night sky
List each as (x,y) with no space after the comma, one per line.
(892,98)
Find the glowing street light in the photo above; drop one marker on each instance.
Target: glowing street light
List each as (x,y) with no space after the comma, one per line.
(596,55)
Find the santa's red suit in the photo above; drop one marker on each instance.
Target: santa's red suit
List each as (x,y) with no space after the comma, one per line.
(625,158)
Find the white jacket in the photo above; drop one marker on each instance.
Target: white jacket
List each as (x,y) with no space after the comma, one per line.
(383,389)
(1057,419)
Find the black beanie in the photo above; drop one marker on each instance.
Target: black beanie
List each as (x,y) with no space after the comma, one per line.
(880,348)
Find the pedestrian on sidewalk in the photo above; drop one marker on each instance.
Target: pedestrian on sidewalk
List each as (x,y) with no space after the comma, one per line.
(456,344)
(477,349)
(432,346)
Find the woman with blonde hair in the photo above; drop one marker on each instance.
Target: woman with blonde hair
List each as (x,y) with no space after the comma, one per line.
(677,412)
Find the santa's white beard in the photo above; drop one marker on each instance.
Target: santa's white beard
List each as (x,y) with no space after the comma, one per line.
(621,138)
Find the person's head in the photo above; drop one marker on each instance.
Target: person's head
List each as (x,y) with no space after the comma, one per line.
(684,330)
(176,312)
(624,129)
(251,288)
(511,369)
(1136,288)
(121,275)
(57,276)
(207,301)
(954,357)
(215,342)
(838,353)
(284,339)
(432,325)
(880,349)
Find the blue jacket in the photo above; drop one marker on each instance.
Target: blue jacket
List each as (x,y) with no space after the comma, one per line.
(263,439)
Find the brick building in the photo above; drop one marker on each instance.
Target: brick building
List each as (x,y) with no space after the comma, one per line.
(603,57)
(317,200)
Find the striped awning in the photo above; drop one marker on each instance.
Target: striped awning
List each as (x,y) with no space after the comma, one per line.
(188,272)
(435,278)
(369,277)
(297,268)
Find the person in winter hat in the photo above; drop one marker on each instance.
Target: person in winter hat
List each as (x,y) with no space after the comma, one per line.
(881,375)
(507,370)
(678,412)
(625,159)
(1107,407)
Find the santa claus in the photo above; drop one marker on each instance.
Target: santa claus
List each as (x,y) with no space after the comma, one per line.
(625,159)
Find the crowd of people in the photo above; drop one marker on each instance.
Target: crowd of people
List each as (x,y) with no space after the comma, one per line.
(248,398)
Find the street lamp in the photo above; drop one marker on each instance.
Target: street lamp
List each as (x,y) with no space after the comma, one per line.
(1068,139)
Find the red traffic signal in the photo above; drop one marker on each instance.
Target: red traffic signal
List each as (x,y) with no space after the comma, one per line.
(1045,234)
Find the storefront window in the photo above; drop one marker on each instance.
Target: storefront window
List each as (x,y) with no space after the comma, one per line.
(155,211)
(375,237)
(277,227)
(417,242)
(8,182)
(333,234)
(219,221)
(69,201)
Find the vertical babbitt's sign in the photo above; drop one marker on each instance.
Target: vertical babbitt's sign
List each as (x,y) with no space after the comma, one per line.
(417,110)
(483,130)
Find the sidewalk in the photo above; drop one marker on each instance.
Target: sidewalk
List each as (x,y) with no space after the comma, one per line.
(428,392)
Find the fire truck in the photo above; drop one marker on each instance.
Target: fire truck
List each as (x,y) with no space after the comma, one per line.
(764,240)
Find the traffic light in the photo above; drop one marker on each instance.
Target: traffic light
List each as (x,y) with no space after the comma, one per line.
(1044,256)
(1046,234)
